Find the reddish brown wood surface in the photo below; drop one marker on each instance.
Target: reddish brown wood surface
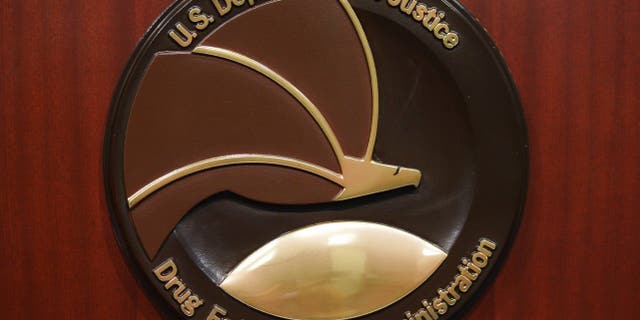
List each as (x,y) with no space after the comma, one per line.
(577,66)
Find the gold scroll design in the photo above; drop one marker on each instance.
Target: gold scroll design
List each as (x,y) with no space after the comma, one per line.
(359,176)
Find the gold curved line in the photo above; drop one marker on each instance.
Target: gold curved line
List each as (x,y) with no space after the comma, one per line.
(285,84)
(372,73)
(230,160)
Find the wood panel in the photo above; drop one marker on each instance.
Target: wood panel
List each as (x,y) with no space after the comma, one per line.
(576,64)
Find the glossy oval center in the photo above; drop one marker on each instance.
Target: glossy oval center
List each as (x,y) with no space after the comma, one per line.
(336,270)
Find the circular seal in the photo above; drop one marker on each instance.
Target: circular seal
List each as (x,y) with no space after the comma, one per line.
(321,160)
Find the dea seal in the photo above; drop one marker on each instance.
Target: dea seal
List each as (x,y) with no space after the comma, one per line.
(315,159)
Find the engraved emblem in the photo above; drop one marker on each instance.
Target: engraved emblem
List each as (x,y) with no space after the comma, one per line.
(315,159)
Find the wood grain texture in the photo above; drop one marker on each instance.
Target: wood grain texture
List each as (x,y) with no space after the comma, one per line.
(577,66)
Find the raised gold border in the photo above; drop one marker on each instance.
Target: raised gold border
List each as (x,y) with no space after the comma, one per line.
(373,75)
(236,159)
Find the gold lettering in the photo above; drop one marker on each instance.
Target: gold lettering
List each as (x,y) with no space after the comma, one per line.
(465,272)
(469,271)
(441,30)
(408,315)
(217,310)
(440,306)
(180,296)
(431,19)
(480,260)
(432,13)
(464,283)
(407,7)
(432,22)
(174,282)
(224,6)
(190,306)
(179,293)
(452,290)
(201,20)
(166,271)
(444,295)
(420,11)
(222,9)
(472,266)
(487,247)
(422,315)
(186,36)
(430,309)
(451,40)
